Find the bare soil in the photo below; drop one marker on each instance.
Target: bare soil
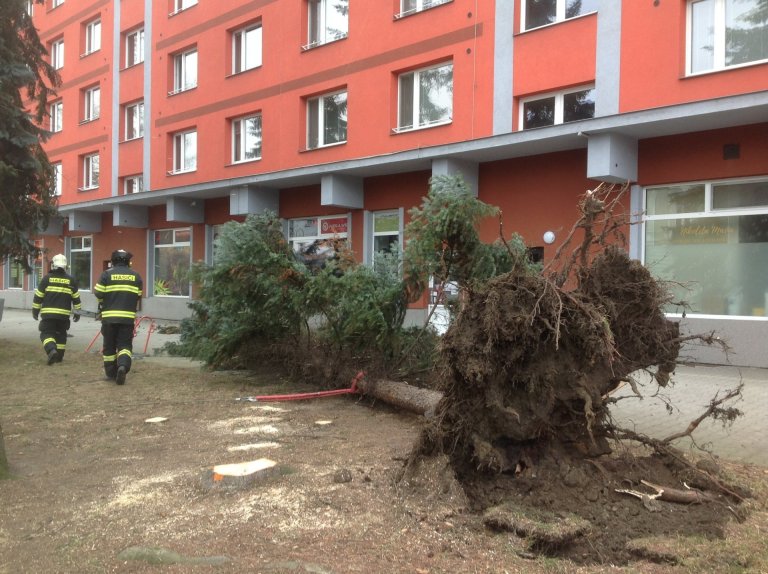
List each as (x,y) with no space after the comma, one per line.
(97,489)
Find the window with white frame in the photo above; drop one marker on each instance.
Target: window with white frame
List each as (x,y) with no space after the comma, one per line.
(57,116)
(317,239)
(327,120)
(57,54)
(134,47)
(56,3)
(133,184)
(408,7)
(15,274)
(28,7)
(90,171)
(173,261)
(80,258)
(179,5)
(91,104)
(726,33)
(37,266)
(92,37)
(425,97)
(246,48)
(134,121)
(537,13)
(328,21)
(185,151)
(185,71)
(57,178)
(710,241)
(557,108)
(246,138)
(385,226)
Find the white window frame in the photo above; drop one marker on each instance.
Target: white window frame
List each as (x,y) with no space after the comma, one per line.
(134,121)
(174,243)
(298,241)
(91,104)
(560,7)
(180,145)
(56,3)
(240,52)
(559,104)
(133,184)
(374,234)
(415,97)
(318,9)
(181,5)
(90,171)
(708,212)
(418,6)
(29,8)
(240,138)
(57,116)
(92,37)
(82,244)
(321,119)
(182,71)
(58,178)
(718,49)
(57,54)
(134,54)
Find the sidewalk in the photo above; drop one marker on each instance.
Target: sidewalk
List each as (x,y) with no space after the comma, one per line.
(694,387)
(18,325)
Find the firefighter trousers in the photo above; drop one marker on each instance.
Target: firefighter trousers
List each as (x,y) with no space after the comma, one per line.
(118,347)
(53,335)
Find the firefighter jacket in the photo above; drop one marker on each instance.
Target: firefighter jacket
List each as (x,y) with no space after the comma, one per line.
(119,292)
(56,295)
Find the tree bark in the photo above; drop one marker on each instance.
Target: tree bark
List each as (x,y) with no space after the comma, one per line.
(402,395)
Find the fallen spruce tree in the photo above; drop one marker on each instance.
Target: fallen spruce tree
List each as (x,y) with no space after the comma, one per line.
(529,367)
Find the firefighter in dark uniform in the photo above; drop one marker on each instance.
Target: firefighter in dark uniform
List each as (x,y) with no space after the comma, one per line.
(53,301)
(119,294)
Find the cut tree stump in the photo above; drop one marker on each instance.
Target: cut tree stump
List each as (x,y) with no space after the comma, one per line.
(237,476)
(402,395)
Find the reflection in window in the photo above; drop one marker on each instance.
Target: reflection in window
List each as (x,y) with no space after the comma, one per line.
(327,120)
(562,107)
(80,260)
(542,12)
(328,21)
(386,233)
(425,97)
(15,275)
(173,254)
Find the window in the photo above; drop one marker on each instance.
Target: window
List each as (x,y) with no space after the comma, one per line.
(246,49)
(91,104)
(725,33)
(408,7)
(327,120)
(328,21)
(57,116)
(15,274)
(710,240)
(246,139)
(184,71)
(179,5)
(57,178)
(92,37)
(57,54)
(173,256)
(386,233)
(134,121)
(80,260)
(56,3)
(90,171)
(28,7)
(426,97)
(184,152)
(558,108)
(133,184)
(538,13)
(317,239)
(37,266)
(134,47)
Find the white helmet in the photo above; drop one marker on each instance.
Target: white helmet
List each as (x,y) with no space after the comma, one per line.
(59,261)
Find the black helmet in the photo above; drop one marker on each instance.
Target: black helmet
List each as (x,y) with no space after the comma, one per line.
(121,257)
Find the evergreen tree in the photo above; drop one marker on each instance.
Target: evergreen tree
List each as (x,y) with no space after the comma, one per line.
(27,200)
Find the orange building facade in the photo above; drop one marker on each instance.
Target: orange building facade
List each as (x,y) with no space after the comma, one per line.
(176,116)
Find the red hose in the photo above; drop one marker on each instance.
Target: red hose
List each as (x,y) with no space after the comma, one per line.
(303,396)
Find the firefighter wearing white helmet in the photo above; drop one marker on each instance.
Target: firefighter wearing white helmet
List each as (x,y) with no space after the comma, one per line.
(55,298)
(119,294)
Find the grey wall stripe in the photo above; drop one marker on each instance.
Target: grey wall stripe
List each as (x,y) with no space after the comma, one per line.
(608,64)
(115,167)
(148,57)
(503,52)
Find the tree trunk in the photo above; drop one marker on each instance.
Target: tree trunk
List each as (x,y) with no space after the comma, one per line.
(402,395)
(3,460)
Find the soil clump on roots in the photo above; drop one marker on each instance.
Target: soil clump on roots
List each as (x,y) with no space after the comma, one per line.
(530,365)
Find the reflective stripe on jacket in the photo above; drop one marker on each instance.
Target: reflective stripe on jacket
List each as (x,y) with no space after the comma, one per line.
(119,292)
(56,295)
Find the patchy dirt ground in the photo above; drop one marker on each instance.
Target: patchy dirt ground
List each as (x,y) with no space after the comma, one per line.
(98,489)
